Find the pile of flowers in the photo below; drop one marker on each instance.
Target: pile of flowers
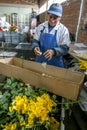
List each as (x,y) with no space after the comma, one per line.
(82,64)
(13,28)
(23,107)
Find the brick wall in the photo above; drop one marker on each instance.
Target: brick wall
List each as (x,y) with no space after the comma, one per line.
(70,15)
(70,18)
(82,37)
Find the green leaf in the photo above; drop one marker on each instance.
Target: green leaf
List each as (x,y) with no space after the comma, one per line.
(67,104)
(1,112)
(20,94)
(47,125)
(21,84)
(13,79)
(21,119)
(29,91)
(23,128)
(36,119)
(9,81)
(42,90)
(7,86)
(14,85)
(3,120)
(5,106)
(1,84)
(1,95)
(14,92)
(54,97)
(7,94)
(11,113)
(4,99)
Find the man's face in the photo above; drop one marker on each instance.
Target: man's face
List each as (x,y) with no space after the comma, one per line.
(53,19)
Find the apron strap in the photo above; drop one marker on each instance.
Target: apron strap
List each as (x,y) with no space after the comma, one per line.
(42,29)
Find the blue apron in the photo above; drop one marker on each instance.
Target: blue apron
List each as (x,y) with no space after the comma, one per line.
(48,41)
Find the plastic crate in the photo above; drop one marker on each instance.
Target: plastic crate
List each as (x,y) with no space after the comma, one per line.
(7,38)
(14,38)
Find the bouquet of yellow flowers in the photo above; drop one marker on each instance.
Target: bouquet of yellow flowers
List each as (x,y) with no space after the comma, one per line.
(13,28)
(23,107)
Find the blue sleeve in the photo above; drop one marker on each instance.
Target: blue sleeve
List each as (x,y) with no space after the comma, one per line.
(61,51)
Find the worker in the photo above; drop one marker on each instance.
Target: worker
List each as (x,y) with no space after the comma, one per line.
(51,40)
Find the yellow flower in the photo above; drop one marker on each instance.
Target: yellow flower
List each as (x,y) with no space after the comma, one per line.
(10,109)
(10,126)
(39,107)
(82,64)
(54,124)
(19,104)
(23,123)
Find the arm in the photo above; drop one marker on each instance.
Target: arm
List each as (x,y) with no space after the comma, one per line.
(63,43)
(36,43)
(60,51)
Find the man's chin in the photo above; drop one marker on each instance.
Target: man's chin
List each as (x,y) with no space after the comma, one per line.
(52,25)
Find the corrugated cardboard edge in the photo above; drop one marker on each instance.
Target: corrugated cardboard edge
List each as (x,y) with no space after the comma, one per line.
(52,84)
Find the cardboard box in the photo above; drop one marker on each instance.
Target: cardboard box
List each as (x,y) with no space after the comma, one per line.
(61,81)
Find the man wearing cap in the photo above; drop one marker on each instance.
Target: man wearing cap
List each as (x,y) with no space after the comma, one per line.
(51,41)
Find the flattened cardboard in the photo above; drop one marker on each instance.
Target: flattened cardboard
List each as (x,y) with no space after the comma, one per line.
(61,81)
